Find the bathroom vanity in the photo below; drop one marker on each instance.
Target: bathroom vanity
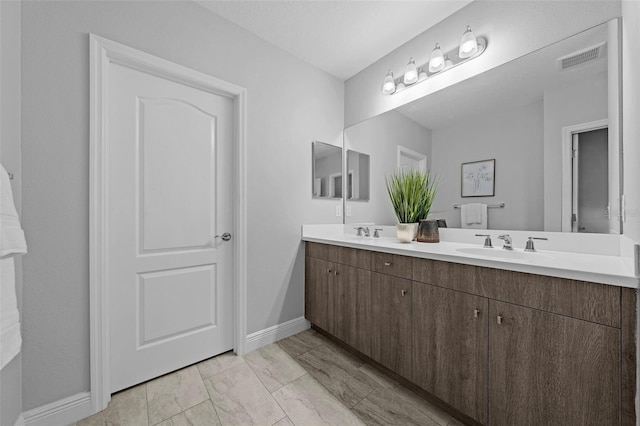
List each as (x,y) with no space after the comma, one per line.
(496,345)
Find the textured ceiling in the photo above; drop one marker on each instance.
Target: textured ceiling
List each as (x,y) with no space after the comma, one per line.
(340,37)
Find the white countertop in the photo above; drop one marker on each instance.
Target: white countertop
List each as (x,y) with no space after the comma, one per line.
(599,268)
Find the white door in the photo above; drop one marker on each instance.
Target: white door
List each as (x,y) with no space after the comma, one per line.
(169,188)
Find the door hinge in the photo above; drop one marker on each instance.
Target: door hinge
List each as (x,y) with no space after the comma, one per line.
(574,153)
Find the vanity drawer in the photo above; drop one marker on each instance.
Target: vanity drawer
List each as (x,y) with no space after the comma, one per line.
(393,264)
(322,251)
(442,274)
(354,257)
(594,302)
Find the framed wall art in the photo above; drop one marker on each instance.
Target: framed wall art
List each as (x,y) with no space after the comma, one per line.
(478,179)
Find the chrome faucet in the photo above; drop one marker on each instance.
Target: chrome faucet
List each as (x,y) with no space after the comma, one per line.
(507,241)
(487,240)
(362,228)
(375,232)
(529,246)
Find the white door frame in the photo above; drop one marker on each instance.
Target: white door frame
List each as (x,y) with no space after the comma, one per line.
(567,175)
(102,53)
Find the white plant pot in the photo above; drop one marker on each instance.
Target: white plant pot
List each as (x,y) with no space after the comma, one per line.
(406,232)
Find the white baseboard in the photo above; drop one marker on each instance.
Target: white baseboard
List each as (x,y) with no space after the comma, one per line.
(19,421)
(60,413)
(277,332)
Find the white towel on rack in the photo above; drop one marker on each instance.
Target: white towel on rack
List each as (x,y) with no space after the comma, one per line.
(12,243)
(474,215)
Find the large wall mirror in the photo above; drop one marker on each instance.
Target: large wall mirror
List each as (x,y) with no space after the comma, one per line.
(327,170)
(551,122)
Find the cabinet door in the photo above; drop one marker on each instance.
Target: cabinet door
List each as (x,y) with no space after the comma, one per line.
(450,339)
(317,298)
(391,302)
(548,369)
(352,307)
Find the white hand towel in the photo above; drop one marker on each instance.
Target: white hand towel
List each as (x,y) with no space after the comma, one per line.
(12,240)
(10,339)
(472,213)
(12,243)
(474,216)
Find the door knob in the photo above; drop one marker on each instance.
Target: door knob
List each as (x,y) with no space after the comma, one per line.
(404,292)
(225,237)
(476,312)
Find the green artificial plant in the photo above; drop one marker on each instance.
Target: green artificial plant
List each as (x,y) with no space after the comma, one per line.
(411,193)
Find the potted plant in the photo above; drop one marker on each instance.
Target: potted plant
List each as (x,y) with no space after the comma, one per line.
(411,193)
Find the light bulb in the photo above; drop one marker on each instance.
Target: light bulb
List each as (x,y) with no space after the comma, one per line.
(468,44)
(389,85)
(410,72)
(436,61)
(447,62)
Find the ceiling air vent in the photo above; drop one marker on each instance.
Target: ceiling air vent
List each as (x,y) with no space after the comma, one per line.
(582,57)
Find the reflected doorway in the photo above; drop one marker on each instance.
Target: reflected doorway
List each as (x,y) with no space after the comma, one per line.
(590,175)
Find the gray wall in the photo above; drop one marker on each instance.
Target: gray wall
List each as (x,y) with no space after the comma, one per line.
(514,28)
(11,374)
(514,138)
(290,103)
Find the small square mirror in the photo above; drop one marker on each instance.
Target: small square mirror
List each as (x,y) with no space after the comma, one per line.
(327,170)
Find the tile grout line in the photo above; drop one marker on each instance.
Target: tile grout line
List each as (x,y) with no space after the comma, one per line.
(215,410)
(146,400)
(268,393)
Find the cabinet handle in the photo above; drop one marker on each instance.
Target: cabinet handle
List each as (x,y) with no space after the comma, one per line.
(387,263)
(328,271)
(404,292)
(476,312)
(499,319)
(336,273)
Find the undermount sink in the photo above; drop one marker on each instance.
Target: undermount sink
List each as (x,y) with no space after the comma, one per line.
(495,252)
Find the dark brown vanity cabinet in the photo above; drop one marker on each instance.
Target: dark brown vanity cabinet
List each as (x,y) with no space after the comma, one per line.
(450,330)
(549,369)
(502,347)
(392,326)
(338,294)
(352,307)
(319,276)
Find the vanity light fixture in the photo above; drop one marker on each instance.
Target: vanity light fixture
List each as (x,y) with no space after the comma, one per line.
(410,72)
(468,44)
(389,85)
(470,47)
(436,60)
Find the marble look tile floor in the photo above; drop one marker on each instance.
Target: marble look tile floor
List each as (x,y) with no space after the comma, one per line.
(304,380)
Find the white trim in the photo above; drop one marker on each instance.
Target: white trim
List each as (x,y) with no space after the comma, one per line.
(414,155)
(567,177)
(62,412)
(19,421)
(332,184)
(104,52)
(277,332)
